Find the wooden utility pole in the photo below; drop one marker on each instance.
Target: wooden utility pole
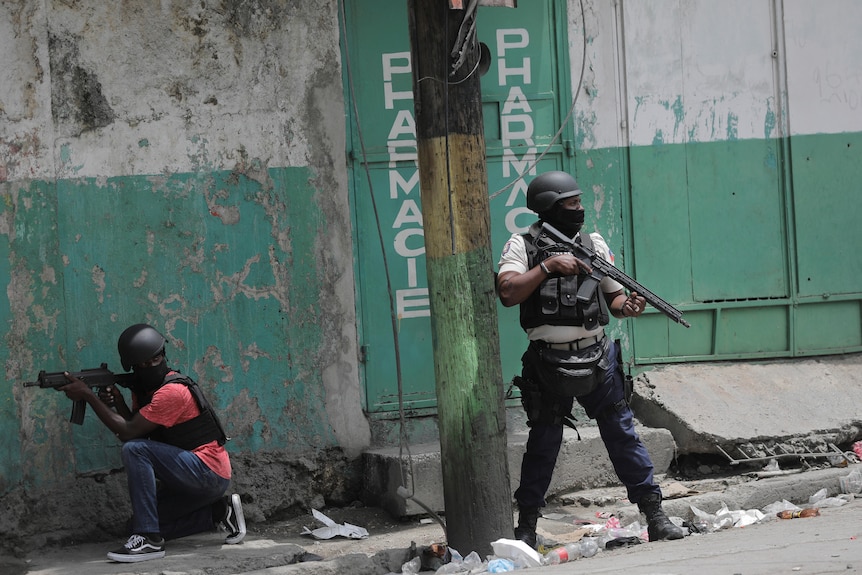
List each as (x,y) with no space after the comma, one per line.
(455,213)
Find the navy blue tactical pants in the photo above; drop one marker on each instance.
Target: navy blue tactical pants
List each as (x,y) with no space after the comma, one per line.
(627,453)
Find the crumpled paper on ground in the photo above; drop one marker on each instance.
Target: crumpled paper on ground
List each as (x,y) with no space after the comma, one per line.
(333,529)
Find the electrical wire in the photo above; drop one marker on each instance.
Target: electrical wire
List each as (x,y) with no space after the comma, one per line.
(403,440)
(402,418)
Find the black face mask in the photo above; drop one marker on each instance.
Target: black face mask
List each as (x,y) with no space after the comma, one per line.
(569,222)
(151,378)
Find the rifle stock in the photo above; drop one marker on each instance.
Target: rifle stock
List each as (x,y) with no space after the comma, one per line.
(95,378)
(601,268)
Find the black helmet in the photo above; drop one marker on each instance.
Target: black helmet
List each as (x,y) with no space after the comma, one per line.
(547,189)
(138,343)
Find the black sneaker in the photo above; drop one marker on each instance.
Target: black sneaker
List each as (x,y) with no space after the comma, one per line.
(139,548)
(234,521)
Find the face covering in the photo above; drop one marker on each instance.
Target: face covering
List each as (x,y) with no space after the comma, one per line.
(151,378)
(569,222)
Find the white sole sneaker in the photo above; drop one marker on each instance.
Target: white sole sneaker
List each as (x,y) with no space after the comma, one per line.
(235,521)
(138,548)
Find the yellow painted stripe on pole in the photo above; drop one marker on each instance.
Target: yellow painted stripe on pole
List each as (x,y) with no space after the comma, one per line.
(455,210)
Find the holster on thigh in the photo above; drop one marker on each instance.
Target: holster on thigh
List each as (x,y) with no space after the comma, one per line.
(544,408)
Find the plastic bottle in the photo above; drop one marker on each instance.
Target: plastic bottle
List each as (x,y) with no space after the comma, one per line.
(588,546)
(788,514)
(568,552)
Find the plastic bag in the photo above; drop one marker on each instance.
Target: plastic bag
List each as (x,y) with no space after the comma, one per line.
(724,518)
(471,563)
(821,500)
(412,567)
(852,483)
(634,529)
(500,565)
(773,509)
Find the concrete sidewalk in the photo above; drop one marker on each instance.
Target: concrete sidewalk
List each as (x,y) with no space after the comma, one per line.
(752,410)
(269,551)
(746,411)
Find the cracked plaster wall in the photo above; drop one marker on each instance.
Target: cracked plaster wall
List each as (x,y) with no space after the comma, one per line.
(181,164)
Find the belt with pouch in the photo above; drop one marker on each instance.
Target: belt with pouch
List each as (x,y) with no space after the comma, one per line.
(582,343)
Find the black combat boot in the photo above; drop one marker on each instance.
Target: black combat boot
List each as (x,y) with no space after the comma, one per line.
(526,529)
(659,527)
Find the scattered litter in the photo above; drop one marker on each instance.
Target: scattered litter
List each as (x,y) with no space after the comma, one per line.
(676,490)
(332,529)
(810,512)
(517,551)
(472,563)
(614,531)
(607,533)
(428,558)
(773,509)
(852,483)
(622,542)
(500,565)
(724,518)
(821,500)
(772,469)
(412,567)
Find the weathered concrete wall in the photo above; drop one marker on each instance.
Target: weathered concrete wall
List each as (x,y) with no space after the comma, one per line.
(182,164)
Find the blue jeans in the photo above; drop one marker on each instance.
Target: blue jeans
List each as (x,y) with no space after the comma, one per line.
(627,453)
(171,489)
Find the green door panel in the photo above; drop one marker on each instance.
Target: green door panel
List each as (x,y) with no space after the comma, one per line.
(523,92)
(735,204)
(827,179)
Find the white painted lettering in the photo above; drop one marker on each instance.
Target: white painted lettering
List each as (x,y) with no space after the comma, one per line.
(413,303)
(408,214)
(409,155)
(516,101)
(517,123)
(403,125)
(509,131)
(511,161)
(505,71)
(396,63)
(401,247)
(520,39)
(397,182)
(412,276)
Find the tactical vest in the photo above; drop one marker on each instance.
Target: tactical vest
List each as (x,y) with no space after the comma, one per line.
(555,301)
(197,431)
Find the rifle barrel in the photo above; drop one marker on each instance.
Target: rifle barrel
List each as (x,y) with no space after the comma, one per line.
(610,270)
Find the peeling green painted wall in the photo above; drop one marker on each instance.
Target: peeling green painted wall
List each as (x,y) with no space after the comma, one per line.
(224,264)
(182,165)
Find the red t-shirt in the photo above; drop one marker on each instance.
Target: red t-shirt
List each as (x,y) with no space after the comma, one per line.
(173,404)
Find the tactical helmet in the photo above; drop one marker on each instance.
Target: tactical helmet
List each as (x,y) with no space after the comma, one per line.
(138,343)
(547,189)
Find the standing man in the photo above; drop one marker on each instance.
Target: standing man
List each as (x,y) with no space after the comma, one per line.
(177,467)
(569,357)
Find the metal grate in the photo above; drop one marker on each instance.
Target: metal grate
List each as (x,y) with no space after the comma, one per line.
(751,452)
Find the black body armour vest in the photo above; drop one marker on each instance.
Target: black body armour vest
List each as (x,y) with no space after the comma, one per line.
(555,302)
(195,432)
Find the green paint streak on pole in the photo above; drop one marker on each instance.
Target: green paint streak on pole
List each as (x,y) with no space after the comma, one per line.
(453,182)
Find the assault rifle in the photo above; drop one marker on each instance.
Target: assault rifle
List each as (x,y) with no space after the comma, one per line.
(601,268)
(95,378)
